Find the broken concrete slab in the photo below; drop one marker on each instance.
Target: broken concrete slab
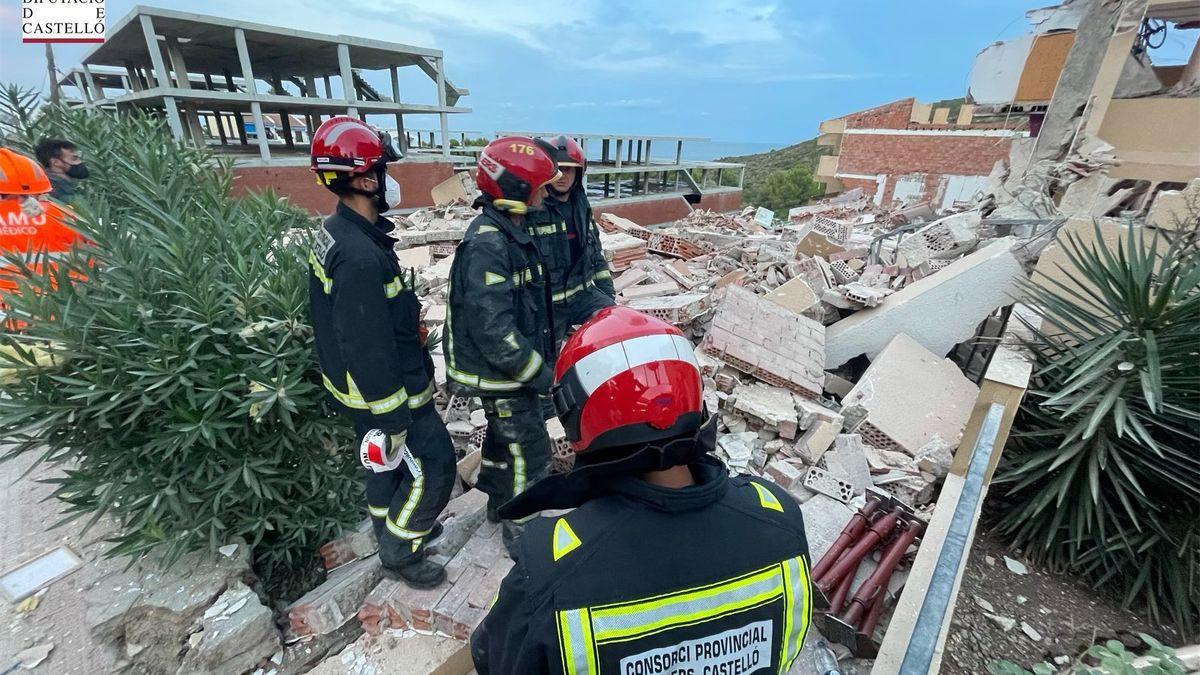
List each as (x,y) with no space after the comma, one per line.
(774,406)
(912,395)
(350,547)
(959,296)
(325,608)
(941,239)
(847,461)
(795,295)
(461,517)
(1176,209)
(236,633)
(813,444)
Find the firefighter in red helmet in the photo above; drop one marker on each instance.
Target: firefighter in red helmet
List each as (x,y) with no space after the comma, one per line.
(499,335)
(371,349)
(580,281)
(664,555)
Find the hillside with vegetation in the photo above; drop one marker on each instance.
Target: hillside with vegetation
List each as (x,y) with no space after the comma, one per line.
(806,154)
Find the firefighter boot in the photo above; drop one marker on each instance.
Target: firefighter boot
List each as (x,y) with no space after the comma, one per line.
(402,563)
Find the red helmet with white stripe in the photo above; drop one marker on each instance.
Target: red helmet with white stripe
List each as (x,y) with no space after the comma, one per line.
(626,379)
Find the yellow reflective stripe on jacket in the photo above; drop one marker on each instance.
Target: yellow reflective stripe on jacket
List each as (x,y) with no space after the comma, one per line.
(563,295)
(481,383)
(548,229)
(378,511)
(486,228)
(418,400)
(354,399)
(602,274)
(531,368)
(326,282)
(799,611)
(393,287)
(581,630)
(491,278)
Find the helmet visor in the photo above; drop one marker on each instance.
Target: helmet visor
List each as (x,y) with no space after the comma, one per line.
(391,148)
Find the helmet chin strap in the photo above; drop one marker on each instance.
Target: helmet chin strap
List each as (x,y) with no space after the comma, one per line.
(378,196)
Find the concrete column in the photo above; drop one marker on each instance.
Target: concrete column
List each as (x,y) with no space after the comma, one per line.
(161,78)
(1077,78)
(135,78)
(285,120)
(401,137)
(620,141)
(84,92)
(1110,68)
(678,153)
(260,127)
(328,88)
(348,89)
(604,151)
(442,121)
(178,66)
(310,86)
(647,152)
(220,119)
(97,92)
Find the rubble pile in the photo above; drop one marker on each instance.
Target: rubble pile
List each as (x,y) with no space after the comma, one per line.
(821,342)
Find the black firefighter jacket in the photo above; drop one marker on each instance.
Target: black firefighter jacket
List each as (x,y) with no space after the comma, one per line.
(498,323)
(365,319)
(711,578)
(567,236)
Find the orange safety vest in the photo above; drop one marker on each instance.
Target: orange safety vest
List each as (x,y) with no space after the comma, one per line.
(20,232)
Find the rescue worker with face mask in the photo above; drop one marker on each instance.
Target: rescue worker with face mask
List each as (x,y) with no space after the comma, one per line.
(370,344)
(64,166)
(666,564)
(565,233)
(499,335)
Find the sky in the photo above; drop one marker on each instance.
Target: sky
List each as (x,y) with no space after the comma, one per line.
(730,70)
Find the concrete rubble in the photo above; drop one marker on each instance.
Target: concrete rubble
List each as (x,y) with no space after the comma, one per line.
(818,351)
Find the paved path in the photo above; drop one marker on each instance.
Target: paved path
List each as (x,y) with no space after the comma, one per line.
(25,520)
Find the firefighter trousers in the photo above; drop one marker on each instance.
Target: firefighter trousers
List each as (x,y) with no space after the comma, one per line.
(516,447)
(405,502)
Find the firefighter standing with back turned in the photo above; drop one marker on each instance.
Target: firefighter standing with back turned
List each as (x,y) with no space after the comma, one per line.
(371,349)
(666,564)
(580,281)
(498,326)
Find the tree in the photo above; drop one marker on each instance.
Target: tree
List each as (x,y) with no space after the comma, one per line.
(168,365)
(785,189)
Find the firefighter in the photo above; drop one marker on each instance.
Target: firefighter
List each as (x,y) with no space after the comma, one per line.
(65,167)
(580,281)
(498,326)
(666,564)
(370,345)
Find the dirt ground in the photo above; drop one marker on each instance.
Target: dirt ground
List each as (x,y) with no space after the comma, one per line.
(1066,615)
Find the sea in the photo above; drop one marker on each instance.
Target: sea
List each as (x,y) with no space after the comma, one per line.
(702,151)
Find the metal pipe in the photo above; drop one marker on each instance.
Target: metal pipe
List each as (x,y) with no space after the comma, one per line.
(840,595)
(883,572)
(870,539)
(854,528)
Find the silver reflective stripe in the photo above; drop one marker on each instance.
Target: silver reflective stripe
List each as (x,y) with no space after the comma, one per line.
(495,465)
(531,368)
(799,608)
(576,641)
(627,621)
(418,400)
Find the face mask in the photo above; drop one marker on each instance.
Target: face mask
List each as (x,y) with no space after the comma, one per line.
(78,171)
(391,192)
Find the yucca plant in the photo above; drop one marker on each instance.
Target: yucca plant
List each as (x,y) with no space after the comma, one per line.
(1103,474)
(167,366)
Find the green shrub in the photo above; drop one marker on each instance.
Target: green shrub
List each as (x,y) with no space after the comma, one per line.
(785,189)
(182,398)
(1103,473)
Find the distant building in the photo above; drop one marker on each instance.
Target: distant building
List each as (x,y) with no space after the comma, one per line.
(905,153)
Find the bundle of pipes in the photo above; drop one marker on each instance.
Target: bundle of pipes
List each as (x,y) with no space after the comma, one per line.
(883,523)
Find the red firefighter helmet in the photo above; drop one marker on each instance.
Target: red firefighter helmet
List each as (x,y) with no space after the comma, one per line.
(346,145)
(21,176)
(567,152)
(626,378)
(512,169)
